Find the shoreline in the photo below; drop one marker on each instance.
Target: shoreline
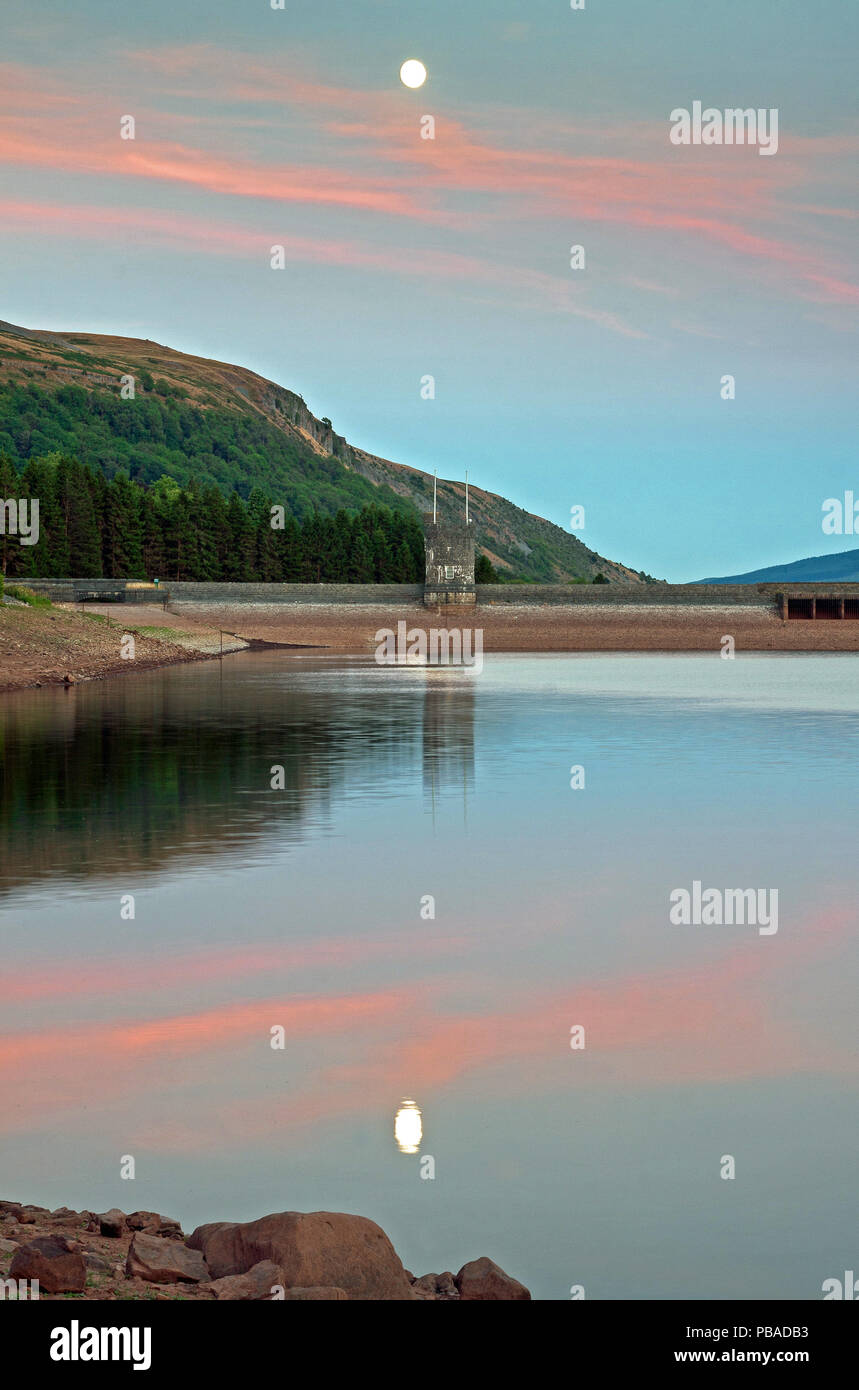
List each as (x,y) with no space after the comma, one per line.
(42,647)
(530,627)
(63,646)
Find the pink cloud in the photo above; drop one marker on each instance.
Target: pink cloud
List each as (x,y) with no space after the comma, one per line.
(726,199)
(134,975)
(725,1018)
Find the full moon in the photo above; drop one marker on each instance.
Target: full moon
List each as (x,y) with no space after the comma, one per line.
(408,1129)
(413,73)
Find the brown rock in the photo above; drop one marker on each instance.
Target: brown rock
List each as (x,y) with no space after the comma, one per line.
(319,1249)
(74,1220)
(257,1283)
(11,1208)
(93,1260)
(30,1216)
(111,1223)
(200,1235)
(153,1225)
(446,1285)
(484,1280)
(441,1287)
(160,1261)
(58,1268)
(8,1247)
(329,1294)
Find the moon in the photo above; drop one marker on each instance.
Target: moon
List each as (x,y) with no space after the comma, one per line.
(408,1128)
(413,73)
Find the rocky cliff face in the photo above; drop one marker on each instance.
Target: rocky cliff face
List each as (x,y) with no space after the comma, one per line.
(516,541)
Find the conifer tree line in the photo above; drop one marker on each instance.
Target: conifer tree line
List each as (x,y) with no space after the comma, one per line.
(91,528)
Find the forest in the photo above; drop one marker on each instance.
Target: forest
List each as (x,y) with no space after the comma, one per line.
(157,488)
(94,527)
(161,434)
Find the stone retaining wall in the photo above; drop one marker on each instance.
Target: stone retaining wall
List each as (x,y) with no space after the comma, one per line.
(656,595)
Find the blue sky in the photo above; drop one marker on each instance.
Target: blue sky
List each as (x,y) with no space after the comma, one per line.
(450,257)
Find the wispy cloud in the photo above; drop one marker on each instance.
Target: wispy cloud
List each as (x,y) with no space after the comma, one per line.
(364,155)
(655,1028)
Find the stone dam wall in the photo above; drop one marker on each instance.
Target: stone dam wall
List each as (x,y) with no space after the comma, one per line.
(388,595)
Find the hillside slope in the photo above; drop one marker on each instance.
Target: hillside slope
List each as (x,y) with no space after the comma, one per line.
(841,567)
(192,417)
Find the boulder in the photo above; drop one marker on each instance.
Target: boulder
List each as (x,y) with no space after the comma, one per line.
(153,1225)
(64,1216)
(330,1294)
(161,1261)
(485,1281)
(257,1283)
(92,1260)
(51,1260)
(30,1216)
(8,1247)
(200,1235)
(441,1287)
(11,1209)
(19,1233)
(111,1223)
(318,1249)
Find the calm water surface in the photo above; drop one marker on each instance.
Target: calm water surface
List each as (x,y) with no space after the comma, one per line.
(301,908)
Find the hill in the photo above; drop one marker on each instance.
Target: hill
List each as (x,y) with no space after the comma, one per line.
(840,567)
(196,419)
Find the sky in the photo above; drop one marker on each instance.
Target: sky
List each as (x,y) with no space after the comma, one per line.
(406,257)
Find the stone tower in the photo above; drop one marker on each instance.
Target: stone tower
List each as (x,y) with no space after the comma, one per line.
(449,562)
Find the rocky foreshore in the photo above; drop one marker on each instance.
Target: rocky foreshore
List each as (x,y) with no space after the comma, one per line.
(290,1255)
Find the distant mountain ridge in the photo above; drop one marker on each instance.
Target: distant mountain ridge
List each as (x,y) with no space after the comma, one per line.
(841,567)
(254,433)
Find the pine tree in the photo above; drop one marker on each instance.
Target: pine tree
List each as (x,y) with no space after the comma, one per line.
(289,546)
(238,559)
(10,491)
(484,571)
(74,485)
(153,520)
(212,526)
(361,568)
(122,534)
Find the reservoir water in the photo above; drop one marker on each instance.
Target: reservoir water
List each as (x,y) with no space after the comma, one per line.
(431,885)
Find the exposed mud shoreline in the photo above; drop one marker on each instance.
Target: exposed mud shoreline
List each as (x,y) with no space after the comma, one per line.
(64,646)
(532,627)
